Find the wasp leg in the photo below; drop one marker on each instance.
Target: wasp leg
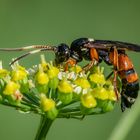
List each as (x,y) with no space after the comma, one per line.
(115,62)
(88,66)
(31,52)
(94,59)
(27,48)
(70,62)
(115,84)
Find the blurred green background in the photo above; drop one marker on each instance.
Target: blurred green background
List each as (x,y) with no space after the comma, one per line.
(27,22)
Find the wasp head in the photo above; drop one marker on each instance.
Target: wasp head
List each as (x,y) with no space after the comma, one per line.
(62,53)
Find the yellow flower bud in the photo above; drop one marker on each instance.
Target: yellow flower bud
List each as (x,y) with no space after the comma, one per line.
(18,75)
(46,103)
(108,106)
(53,72)
(42,78)
(20,68)
(82,82)
(44,64)
(100,93)
(111,95)
(110,90)
(97,78)
(3,73)
(88,100)
(65,87)
(11,88)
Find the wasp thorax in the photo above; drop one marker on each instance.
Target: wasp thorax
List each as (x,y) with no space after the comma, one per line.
(78,49)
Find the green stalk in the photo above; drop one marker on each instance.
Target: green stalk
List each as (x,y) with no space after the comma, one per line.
(44,127)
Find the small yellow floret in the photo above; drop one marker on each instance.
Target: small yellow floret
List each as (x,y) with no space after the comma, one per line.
(97,78)
(42,78)
(110,90)
(44,64)
(11,88)
(53,72)
(100,93)
(82,82)
(65,87)
(3,73)
(88,100)
(111,95)
(18,75)
(46,103)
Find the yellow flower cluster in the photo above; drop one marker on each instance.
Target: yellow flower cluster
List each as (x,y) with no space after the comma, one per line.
(52,89)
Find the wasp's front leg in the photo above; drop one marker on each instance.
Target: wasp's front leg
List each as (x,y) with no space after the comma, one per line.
(70,62)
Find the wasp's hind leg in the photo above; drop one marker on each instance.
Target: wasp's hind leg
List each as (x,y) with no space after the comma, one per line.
(114,58)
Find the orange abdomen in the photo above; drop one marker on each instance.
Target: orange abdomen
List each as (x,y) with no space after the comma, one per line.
(124,63)
(126,69)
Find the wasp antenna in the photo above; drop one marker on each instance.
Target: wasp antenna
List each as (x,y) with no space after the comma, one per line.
(27,48)
(32,52)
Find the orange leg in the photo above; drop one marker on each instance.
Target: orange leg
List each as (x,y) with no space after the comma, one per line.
(94,58)
(88,66)
(115,62)
(115,84)
(70,62)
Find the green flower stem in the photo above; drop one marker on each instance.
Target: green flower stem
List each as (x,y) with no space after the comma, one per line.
(63,106)
(23,107)
(70,109)
(76,113)
(44,127)
(52,93)
(16,106)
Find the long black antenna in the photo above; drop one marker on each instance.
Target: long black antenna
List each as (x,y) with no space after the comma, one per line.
(27,48)
(33,52)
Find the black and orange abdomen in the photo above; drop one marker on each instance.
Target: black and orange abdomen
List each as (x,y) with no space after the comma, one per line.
(130,83)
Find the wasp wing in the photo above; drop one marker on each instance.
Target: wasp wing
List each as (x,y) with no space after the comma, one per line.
(106,44)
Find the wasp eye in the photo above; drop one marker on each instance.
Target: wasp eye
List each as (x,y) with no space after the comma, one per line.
(62,53)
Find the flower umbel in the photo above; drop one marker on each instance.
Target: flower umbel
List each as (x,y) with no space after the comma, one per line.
(52,92)
(55,88)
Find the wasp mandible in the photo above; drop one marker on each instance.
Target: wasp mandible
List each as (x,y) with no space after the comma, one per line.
(111,52)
